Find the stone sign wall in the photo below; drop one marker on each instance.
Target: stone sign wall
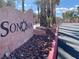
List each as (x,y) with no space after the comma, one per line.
(15,28)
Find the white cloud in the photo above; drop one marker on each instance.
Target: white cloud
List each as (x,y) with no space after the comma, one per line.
(36,12)
(71,8)
(25,5)
(58,11)
(76,5)
(63,9)
(21,6)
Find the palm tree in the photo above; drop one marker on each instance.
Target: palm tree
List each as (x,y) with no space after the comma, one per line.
(1,3)
(53,4)
(69,15)
(78,9)
(45,6)
(41,5)
(11,3)
(23,5)
(38,3)
(7,3)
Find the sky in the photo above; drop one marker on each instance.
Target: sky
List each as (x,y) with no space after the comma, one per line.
(29,4)
(63,6)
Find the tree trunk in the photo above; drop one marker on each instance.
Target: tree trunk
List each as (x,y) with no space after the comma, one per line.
(23,5)
(53,12)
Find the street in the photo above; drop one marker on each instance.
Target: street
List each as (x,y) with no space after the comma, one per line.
(68,42)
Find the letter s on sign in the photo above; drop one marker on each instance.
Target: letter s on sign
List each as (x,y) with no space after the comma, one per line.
(4,28)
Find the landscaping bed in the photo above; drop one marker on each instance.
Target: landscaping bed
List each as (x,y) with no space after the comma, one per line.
(37,47)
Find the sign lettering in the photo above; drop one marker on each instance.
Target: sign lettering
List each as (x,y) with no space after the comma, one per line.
(13,27)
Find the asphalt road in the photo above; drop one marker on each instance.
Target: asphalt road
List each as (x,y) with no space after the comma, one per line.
(68,42)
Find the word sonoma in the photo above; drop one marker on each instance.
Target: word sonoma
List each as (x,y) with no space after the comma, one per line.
(13,27)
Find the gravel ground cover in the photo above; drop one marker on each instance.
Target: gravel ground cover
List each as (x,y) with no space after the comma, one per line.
(37,47)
